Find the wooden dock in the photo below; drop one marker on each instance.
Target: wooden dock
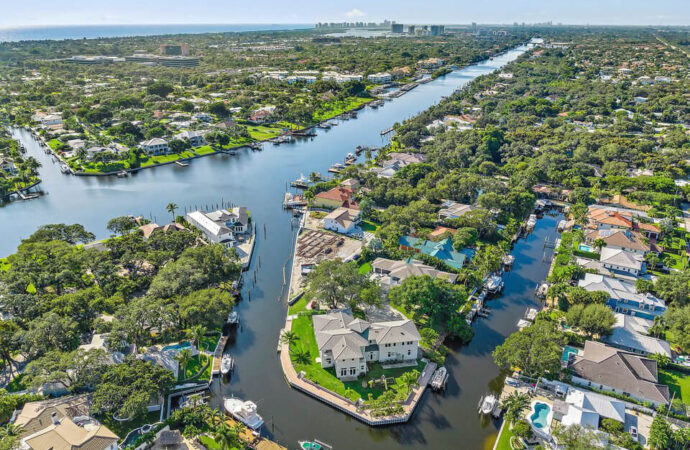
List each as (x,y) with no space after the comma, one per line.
(218,355)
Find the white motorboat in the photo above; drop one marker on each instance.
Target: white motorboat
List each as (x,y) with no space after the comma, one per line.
(233,318)
(227,364)
(439,379)
(531,222)
(494,284)
(243,411)
(487,404)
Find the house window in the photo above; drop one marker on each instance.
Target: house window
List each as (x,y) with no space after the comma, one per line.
(328,361)
(353,371)
(389,354)
(409,352)
(343,372)
(361,368)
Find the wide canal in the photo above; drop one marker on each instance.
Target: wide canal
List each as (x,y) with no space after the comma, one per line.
(258,180)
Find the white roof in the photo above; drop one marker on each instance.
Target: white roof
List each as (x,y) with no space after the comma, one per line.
(630,332)
(154,141)
(207,223)
(621,258)
(604,406)
(577,416)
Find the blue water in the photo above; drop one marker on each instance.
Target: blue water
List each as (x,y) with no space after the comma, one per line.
(179,346)
(109,31)
(540,415)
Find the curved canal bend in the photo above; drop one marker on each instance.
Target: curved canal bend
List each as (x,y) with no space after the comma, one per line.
(258,180)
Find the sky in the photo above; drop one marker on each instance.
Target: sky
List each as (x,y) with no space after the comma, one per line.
(20,13)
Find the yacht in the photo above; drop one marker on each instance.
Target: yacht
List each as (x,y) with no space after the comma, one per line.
(439,379)
(245,412)
(494,284)
(531,222)
(336,168)
(487,404)
(227,364)
(233,318)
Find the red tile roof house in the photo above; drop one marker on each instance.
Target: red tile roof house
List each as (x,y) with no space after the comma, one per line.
(606,219)
(335,198)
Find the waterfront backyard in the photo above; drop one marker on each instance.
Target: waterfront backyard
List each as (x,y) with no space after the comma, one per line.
(305,351)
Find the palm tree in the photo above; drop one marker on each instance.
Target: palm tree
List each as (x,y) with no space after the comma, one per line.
(408,381)
(289,338)
(171,209)
(183,358)
(599,243)
(196,334)
(226,437)
(514,405)
(301,356)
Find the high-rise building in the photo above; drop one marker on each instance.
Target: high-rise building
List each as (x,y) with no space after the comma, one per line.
(437,30)
(174,50)
(397,28)
(410,29)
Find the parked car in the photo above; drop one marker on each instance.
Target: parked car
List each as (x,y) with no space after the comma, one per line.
(633,433)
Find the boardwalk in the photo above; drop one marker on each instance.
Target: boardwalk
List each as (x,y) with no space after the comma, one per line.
(346,405)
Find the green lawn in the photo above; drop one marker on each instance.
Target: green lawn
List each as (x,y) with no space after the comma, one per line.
(678,261)
(334,108)
(122,428)
(209,343)
(299,306)
(194,366)
(504,439)
(204,150)
(4,265)
(261,133)
(153,160)
(677,382)
(53,143)
(365,268)
(353,390)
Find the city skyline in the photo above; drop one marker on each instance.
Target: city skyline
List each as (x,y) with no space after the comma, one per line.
(156,12)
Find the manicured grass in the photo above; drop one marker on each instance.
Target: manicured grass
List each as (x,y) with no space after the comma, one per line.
(204,150)
(368,225)
(677,382)
(299,306)
(153,160)
(122,428)
(194,366)
(353,390)
(209,343)
(261,133)
(331,109)
(53,144)
(504,439)
(678,261)
(365,268)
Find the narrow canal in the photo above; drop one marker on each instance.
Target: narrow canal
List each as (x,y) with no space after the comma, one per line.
(258,180)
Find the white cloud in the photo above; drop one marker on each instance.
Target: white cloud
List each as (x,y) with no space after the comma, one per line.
(354,13)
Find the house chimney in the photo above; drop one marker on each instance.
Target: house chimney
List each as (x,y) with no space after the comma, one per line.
(54,417)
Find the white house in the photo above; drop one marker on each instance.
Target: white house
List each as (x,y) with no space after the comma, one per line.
(348,344)
(220,226)
(390,273)
(453,210)
(618,260)
(155,147)
(380,78)
(343,220)
(195,138)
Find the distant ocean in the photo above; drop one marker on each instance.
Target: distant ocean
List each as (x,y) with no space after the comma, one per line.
(109,31)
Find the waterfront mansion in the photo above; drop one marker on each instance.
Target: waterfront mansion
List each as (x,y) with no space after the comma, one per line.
(348,344)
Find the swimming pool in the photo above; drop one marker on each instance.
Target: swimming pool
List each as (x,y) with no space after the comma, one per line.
(177,347)
(586,248)
(567,351)
(541,415)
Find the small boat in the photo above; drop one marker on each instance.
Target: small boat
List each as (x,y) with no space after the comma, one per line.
(245,412)
(531,314)
(439,379)
(508,260)
(182,163)
(494,284)
(227,364)
(522,323)
(233,318)
(324,126)
(122,174)
(532,221)
(487,404)
(561,225)
(291,200)
(313,445)
(302,182)
(541,290)
(336,168)
(64,168)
